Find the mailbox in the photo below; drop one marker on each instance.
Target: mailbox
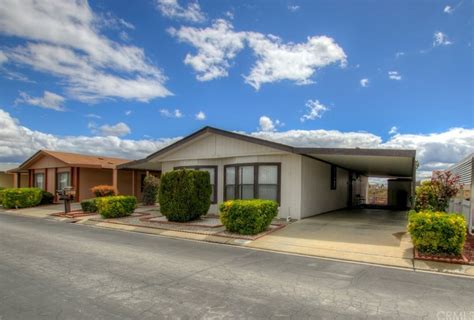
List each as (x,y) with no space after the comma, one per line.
(67,195)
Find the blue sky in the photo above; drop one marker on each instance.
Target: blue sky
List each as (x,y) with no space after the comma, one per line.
(343,73)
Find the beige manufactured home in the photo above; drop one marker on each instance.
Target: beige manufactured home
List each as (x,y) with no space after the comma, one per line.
(304,181)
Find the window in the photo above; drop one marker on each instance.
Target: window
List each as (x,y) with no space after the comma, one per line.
(39,180)
(213,175)
(252,181)
(63,180)
(333,177)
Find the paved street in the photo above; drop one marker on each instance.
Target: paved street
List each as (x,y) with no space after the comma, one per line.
(58,270)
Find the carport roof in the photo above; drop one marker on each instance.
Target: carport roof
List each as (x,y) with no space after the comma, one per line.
(371,162)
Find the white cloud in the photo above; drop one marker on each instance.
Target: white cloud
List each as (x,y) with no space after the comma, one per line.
(394,75)
(216,47)
(117,130)
(440,39)
(64,39)
(393,130)
(296,62)
(17,143)
(293,8)
(128,112)
(171,114)
(229,14)
(49,100)
(315,110)
(172,9)
(364,82)
(399,54)
(266,124)
(3,58)
(93,116)
(434,151)
(219,44)
(448,9)
(200,116)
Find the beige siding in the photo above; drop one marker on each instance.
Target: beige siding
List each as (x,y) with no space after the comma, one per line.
(217,146)
(124,182)
(6,180)
(47,162)
(316,194)
(51,181)
(89,178)
(290,178)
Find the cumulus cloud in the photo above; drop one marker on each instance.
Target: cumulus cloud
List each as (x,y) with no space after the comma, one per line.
(117,130)
(293,8)
(298,62)
(394,75)
(64,39)
(434,151)
(440,39)
(216,46)
(200,116)
(171,114)
(172,9)
(49,100)
(219,44)
(17,143)
(448,10)
(393,130)
(364,82)
(266,124)
(314,110)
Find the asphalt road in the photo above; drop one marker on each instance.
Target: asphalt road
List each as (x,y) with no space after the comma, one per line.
(56,270)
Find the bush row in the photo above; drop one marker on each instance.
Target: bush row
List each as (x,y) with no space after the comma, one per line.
(437,232)
(115,206)
(21,197)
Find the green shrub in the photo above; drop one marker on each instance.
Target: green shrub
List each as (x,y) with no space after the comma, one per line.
(46,197)
(21,197)
(184,195)
(89,205)
(150,190)
(437,232)
(248,216)
(116,206)
(1,194)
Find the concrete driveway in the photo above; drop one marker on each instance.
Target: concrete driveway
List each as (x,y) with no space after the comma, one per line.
(366,235)
(43,211)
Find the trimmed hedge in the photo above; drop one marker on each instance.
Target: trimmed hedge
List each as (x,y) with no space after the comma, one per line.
(46,197)
(150,190)
(185,195)
(248,216)
(89,205)
(437,232)
(21,197)
(116,206)
(1,194)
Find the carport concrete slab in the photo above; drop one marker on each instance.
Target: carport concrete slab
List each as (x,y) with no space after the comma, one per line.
(365,235)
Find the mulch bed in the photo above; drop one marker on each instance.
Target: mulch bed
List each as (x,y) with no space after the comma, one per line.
(73,214)
(208,221)
(469,248)
(441,258)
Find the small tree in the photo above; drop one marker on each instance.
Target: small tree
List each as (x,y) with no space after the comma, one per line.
(150,190)
(434,195)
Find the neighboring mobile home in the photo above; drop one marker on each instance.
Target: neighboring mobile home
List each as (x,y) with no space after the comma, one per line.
(7,178)
(304,181)
(53,170)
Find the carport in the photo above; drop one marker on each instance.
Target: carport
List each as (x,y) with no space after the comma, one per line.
(397,165)
(357,233)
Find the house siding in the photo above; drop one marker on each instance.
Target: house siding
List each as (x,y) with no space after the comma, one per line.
(290,177)
(316,194)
